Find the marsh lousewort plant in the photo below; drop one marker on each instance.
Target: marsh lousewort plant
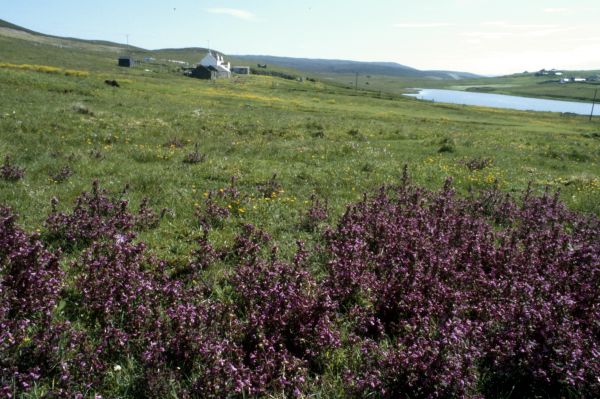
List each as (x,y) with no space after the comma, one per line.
(412,293)
(10,171)
(447,303)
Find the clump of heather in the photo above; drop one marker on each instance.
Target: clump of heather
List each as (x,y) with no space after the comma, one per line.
(195,156)
(197,340)
(316,214)
(445,301)
(30,284)
(122,297)
(95,153)
(204,256)
(117,294)
(61,175)
(213,214)
(9,171)
(542,317)
(478,163)
(31,277)
(219,206)
(287,323)
(174,142)
(270,188)
(248,245)
(266,339)
(422,294)
(94,217)
(147,218)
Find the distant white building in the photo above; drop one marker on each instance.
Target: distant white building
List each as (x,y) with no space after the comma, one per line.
(215,60)
(573,80)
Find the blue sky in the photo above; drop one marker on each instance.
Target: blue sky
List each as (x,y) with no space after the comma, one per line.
(481,36)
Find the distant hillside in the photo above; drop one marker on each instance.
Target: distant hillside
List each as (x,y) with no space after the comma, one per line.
(325,66)
(192,55)
(6,24)
(10,30)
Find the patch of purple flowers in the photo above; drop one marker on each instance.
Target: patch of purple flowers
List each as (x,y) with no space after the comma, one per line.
(11,172)
(451,304)
(96,216)
(420,294)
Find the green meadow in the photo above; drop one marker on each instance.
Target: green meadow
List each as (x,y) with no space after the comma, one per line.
(302,138)
(181,145)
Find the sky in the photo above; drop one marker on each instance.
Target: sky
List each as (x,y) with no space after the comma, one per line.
(482,36)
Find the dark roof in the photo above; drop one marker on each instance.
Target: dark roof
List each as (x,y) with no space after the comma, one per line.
(206,68)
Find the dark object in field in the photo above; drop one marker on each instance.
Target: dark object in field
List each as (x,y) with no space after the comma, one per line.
(446,148)
(112,83)
(478,163)
(63,174)
(9,171)
(270,188)
(174,143)
(126,61)
(448,145)
(195,156)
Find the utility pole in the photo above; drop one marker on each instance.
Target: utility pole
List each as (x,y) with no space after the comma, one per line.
(593,104)
(356,82)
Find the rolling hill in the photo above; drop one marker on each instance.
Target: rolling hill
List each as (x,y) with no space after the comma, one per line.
(326,66)
(8,29)
(191,55)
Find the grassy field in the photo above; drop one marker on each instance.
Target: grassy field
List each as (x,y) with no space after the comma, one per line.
(315,137)
(278,142)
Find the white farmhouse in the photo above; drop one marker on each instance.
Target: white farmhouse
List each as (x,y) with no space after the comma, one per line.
(215,60)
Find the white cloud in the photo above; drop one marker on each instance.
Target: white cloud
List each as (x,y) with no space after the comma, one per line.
(494,23)
(556,10)
(504,24)
(502,30)
(504,61)
(547,32)
(422,25)
(234,12)
(591,39)
(487,35)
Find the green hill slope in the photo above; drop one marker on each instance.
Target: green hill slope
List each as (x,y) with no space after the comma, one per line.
(327,66)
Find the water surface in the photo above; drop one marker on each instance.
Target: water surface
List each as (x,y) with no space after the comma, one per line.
(504,101)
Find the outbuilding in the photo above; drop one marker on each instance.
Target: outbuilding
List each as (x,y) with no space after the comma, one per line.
(126,61)
(241,70)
